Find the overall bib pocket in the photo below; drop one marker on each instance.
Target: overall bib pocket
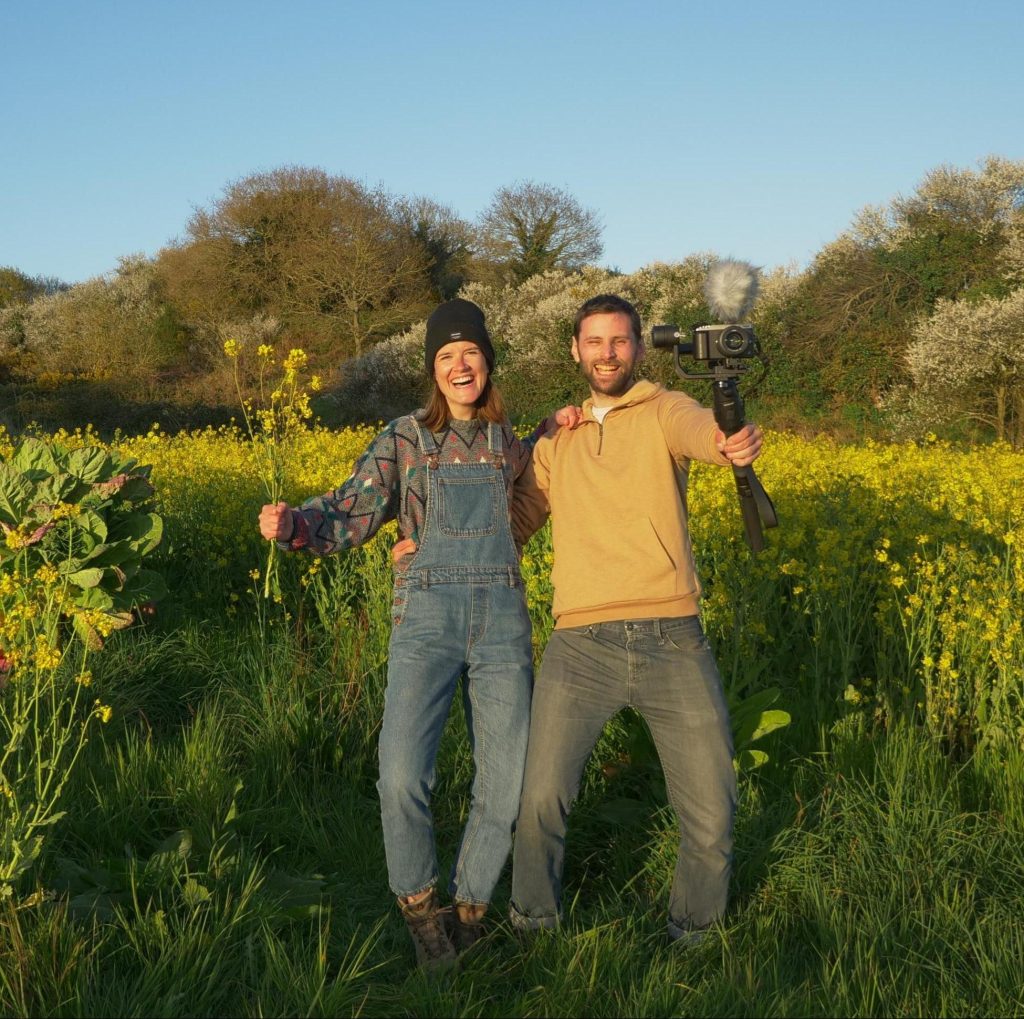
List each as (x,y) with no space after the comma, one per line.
(460,513)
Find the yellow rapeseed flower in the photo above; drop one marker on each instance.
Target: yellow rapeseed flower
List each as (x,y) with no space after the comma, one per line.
(296,360)
(46,657)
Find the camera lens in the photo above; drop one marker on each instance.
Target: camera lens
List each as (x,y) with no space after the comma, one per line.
(665,336)
(734,342)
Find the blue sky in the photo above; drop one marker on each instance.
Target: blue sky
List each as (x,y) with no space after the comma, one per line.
(753,130)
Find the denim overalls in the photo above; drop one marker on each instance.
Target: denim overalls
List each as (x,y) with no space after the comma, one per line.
(459,607)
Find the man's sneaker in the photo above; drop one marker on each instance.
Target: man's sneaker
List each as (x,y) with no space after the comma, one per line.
(687,937)
(427,927)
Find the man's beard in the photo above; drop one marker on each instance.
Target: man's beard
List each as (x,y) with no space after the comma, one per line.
(609,385)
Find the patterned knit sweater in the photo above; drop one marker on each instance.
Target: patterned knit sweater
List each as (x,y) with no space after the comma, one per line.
(389,481)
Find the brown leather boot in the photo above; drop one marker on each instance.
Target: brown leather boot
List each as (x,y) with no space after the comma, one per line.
(465,933)
(427,924)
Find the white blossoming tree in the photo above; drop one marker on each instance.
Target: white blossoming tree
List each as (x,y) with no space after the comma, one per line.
(531,325)
(967,359)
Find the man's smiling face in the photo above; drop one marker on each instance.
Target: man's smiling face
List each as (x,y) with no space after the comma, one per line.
(607,352)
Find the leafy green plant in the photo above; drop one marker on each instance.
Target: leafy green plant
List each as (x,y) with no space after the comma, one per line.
(75,530)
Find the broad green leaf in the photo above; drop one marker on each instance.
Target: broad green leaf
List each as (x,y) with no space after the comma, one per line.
(748,760)
(146,585)
(94,598)
(172,853)
(194,893)
(91,526)
(155,536)
(128,465)
(769,722)
(143,530)
(746,715)
(86,578)
(753,704)
(136,489)
(60,488)
(69,565)
(90,464)
(35,459)
(113,580)
(232,815)
(111,555)
(15,495)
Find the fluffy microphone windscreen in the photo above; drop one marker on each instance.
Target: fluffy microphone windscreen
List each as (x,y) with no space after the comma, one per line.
(731,289)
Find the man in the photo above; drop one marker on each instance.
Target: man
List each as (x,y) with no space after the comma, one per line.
(627,632)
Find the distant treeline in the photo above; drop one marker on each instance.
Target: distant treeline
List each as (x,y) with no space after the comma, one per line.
(911,321)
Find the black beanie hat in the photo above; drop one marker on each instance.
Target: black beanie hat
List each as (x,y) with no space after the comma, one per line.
(453,321)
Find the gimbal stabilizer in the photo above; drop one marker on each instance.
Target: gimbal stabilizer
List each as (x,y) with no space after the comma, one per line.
(709,343)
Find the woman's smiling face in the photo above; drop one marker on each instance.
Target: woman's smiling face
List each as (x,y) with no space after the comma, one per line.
(460,371)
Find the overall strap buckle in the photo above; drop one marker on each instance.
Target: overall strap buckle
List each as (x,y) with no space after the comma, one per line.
(427,444)
(494,445)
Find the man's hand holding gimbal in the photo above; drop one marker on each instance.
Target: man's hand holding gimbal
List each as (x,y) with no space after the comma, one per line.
(742,447)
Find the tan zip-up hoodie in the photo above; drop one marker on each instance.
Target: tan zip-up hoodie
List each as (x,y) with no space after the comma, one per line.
(617,493)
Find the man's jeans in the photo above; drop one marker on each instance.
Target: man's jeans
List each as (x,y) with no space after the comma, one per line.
(664,669)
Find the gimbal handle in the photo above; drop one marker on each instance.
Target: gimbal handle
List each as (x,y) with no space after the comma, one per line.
(755,504)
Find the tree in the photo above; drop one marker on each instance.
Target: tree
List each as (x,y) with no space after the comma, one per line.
(113,325)
(331,259)
(853,313)
(531,228)
(968,358)
(18,288)
(447,242)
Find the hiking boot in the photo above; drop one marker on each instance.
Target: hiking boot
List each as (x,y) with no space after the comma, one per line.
(465,933)
(427,924)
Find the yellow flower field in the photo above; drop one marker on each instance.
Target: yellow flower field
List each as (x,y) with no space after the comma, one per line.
(893,585)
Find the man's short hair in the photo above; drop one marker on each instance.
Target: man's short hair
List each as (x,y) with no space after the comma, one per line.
(608,304)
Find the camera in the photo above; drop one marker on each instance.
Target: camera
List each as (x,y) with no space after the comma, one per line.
(713,343)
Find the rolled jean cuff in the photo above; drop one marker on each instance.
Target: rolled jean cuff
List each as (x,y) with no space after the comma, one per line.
(463,900)
(416,891)
(522,922)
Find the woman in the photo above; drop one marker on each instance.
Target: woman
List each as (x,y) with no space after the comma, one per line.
(449,474)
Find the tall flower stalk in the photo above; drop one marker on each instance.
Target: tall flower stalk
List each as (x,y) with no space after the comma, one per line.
(45,679)
(273,418)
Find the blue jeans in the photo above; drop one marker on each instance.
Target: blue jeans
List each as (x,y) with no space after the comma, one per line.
(445,628)
(664,669)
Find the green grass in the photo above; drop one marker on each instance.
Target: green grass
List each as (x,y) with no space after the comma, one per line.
(222,855)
